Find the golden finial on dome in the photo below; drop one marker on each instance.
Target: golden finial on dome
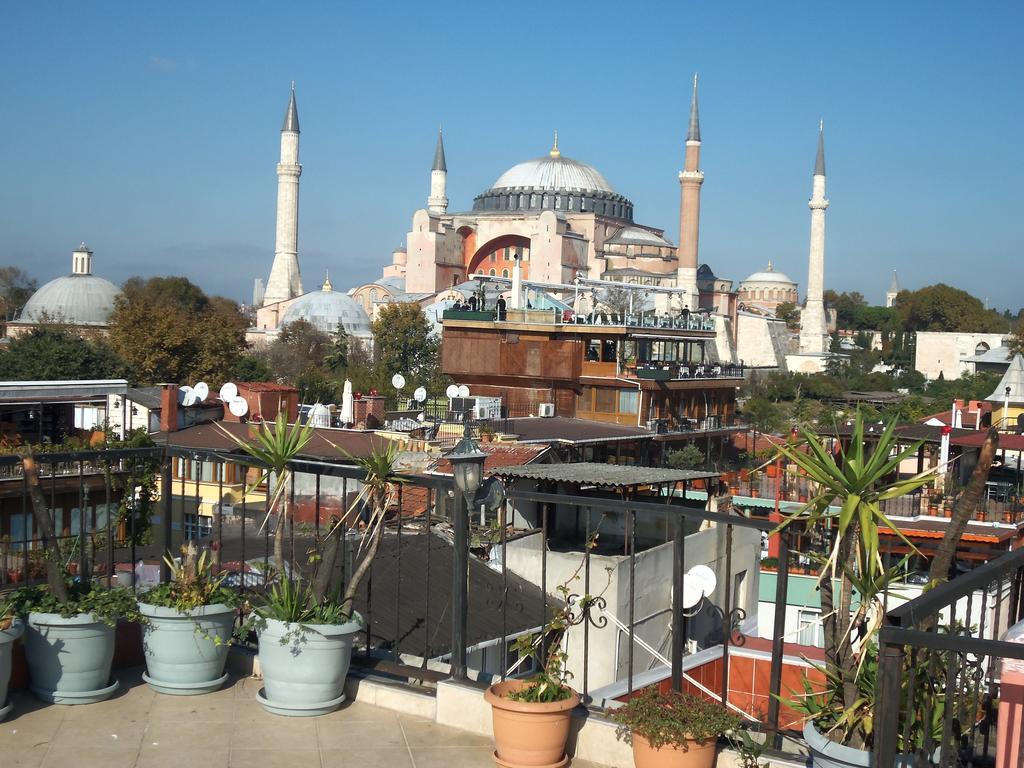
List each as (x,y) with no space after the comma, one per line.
(769,265)
(554,149)
(327,281)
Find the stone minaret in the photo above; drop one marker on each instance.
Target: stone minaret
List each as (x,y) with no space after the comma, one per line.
(814,338)
(438,200)
(893,292)
(285,281)
(690,180)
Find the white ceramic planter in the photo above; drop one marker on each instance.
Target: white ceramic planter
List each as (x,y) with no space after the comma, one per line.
(69,658)
(186,652)
(304,666)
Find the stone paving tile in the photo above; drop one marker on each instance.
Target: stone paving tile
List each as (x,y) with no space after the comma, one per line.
(139,728)
(396,757)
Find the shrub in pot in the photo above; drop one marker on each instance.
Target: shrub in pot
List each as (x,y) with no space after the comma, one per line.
(674,730)
(187,627)
(69,640)
(11,628)
(305,631)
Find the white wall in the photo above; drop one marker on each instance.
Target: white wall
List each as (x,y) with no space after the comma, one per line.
(939,352)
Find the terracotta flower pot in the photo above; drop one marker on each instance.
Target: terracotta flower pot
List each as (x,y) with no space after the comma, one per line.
(529,734)
(772,470)
(692,754)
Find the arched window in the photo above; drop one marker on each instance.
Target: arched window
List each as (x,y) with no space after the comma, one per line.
(982,348)
(491,273)
(373,295)
(504,273)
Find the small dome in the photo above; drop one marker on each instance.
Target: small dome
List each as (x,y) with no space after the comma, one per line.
(769,275)
(325,309)
(80,298)
(633,235)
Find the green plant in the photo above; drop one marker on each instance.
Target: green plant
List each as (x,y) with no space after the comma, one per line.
(292,602)
(674,718)
(545,647)
(687,457)
(748,750)
(847,506)
(107,605)
(275,449)
(192,583)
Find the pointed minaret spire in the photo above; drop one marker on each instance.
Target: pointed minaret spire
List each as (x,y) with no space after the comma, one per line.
(285,281)
(439,163)
(554,147)
(690,180)
(437,203)
(693,134)
(819,161)
(291,115)
(893,292)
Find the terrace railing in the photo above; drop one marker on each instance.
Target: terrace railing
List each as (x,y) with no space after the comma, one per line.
(944,667)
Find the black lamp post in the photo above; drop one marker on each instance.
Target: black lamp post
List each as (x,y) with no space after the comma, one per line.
(468,468)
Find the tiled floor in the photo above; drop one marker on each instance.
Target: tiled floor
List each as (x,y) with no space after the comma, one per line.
(143,729)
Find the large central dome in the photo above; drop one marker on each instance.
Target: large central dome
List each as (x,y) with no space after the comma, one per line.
(557,183)
(555,174)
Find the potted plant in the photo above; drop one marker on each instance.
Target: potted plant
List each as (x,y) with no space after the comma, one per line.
(11,628)
(673,730)
(305,632)
(69,639)
(486,433)
(187,628)
(531,717)
(839,728)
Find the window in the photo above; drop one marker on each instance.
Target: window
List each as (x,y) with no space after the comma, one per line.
(810,630)
(504,273)
(629,400)
(494,256)
(605,400)
(491,273)
(505,253)
(981,349)
(197,526)
(607,350)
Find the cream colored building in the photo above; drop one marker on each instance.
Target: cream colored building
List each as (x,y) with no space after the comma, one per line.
(946,353)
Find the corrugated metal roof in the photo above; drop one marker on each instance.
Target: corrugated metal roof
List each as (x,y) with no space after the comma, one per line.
(606,475)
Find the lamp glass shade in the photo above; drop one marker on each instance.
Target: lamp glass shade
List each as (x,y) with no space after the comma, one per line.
(468,471)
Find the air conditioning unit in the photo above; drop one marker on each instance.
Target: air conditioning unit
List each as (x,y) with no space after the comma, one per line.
(546,410)
(481,412)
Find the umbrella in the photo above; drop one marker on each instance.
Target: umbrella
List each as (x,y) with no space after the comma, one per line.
(347,417)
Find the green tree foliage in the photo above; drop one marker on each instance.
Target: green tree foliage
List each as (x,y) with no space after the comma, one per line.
(942,307)
(16,288)
(252,366)
(403,344)
(167,329)
(788,312)
(687,457)
(1016,340)
(52,352)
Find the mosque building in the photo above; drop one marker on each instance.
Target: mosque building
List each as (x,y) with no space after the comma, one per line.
(558,219)
(81,301)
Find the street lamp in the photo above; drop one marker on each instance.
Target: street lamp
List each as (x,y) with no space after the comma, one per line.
(467,463)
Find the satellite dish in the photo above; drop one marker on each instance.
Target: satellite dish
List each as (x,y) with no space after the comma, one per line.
(452,391)
(700,582)
(188,396)
(420,394)
(463,390)
(420,417)
(202,391)
(491,495)
(398,381)
(238,406)
(228,392)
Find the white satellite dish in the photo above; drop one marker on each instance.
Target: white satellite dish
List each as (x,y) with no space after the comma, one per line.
(700,582)
(452,391)
(398,381)
(202,391)
(463,390)
(228,392)
(420,416)
(420,394)
(238,406)
(188,396)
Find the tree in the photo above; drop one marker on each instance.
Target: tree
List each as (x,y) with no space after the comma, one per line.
(52,352)
(788,312)
(16,288)
(942,307)
(300,346)
(337,356)
(252,366)
(404,344)
(687,457)
(616,299)
(167,329)
(1016,340)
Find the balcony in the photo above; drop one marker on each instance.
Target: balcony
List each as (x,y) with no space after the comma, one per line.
(703,322)
(419,668)
(672,371)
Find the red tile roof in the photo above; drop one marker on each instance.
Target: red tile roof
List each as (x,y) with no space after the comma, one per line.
(499,455)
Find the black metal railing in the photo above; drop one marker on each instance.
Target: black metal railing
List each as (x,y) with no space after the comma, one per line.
(944,669)
(452,587)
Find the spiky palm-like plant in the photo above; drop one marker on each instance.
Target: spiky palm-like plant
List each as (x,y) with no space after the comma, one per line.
(275,449)
(847,500)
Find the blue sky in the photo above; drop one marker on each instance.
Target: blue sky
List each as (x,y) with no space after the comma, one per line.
(150,131)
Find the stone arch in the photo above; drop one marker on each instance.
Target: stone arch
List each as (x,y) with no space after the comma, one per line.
(498,243)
